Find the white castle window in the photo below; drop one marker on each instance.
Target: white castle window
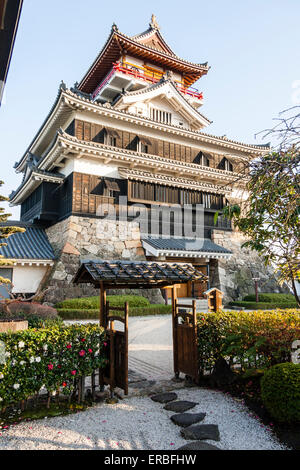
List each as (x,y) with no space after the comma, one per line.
(161,116)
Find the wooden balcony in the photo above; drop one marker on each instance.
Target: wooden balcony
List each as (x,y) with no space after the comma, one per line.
(113,81)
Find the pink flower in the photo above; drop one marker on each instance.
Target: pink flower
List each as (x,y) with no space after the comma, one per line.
(105,344)
(69,346)
(50,366)
(82,353)
(73,372)
(90,351)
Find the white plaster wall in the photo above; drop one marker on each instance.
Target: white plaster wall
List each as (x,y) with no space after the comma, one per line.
(26,279)
(90,167)
(134,60)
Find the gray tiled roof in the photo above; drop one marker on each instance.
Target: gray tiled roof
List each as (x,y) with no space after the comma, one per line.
(185,244)
(136,274)
(32,244)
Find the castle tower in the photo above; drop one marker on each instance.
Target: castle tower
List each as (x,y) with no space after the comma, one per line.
(129,138)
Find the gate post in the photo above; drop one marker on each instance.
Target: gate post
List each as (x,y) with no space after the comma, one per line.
(174,323)
(195,329)
(103,313)
(126,346)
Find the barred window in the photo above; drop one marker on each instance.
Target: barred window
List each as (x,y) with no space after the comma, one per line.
(161,116)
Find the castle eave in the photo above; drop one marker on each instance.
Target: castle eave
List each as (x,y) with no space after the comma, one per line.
(69,145)
(33,182)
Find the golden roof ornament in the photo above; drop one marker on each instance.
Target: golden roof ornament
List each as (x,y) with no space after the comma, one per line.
(154,23)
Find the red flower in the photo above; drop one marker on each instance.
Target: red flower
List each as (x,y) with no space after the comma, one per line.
(64,384)
(50,366)
(83,340)
(90,351)
(59,367)
(69,346)
(82,353)
(105,344)
(73,372)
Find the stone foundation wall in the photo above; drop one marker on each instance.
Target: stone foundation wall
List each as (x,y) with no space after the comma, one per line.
(80,238)
(234,276)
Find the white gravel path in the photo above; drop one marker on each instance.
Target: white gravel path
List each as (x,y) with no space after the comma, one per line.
(139,423)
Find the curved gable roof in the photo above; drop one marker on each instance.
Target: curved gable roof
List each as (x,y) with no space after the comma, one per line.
(170,92)
(118,42)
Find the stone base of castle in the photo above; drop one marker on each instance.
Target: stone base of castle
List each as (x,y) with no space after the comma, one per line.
(234,276)
(81,238)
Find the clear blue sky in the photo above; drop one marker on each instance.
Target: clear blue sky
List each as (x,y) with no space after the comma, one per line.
(252,47)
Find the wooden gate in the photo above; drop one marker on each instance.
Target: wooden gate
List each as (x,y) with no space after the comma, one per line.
(185,340)
(116,373)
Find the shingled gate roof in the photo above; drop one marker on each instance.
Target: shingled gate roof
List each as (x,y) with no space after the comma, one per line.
(137,274)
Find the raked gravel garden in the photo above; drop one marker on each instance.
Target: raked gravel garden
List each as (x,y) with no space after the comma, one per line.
(139,423)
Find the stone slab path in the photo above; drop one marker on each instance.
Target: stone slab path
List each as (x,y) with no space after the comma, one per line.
(140,423)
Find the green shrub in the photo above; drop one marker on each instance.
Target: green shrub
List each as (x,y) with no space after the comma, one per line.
(280,391)
(256,339)
(94,302)
(51,358)
(262,305)
(272,298)
(93,314)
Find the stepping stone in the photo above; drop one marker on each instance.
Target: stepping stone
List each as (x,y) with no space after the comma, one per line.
(198,445)
(201,432)
(164,397)
(187,419)
(180,406)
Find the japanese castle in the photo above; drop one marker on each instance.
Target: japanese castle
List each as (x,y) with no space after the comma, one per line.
(130,136)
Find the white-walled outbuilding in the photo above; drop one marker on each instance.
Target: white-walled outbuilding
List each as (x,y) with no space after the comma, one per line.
(32,257)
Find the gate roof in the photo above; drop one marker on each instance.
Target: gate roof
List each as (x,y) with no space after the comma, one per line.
(136,274)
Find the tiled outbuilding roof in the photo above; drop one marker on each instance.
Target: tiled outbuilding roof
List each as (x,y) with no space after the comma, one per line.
(32,244)
(185,244)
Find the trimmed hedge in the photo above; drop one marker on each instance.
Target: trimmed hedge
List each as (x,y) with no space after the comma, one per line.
(255,340)
(94,302)
(50,358)
(280,391)
(272,298)
(263,305)
(93,314)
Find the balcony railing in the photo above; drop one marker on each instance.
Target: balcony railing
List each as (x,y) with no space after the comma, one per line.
(142,73)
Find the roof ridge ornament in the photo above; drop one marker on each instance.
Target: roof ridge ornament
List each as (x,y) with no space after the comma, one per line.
(114,27)
(153,23)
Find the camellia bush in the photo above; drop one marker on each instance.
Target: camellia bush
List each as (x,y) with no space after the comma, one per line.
(50,359)
(247,340)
